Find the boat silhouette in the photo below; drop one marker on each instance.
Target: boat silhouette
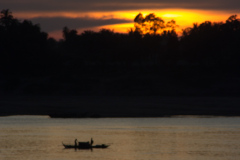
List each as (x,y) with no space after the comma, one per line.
(84,145)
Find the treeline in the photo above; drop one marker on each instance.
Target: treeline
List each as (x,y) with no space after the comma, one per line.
(152,49)
(24,48)
(212,44)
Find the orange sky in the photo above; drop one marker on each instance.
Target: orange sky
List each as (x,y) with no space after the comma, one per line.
(53,15)
(183,17)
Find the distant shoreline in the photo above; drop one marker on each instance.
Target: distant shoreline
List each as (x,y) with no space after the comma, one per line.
(119,106)
(173,116)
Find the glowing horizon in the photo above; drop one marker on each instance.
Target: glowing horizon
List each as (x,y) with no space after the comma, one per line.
(183,17)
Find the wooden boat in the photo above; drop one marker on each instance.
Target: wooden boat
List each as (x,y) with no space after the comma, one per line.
(85,145)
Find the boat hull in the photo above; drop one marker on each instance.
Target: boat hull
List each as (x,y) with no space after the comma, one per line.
(85,147)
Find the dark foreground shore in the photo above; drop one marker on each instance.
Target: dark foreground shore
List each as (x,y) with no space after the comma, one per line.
(118,106)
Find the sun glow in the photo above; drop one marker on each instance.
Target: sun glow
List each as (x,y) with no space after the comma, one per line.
(121,28)
(183,17)
(171,15)
(192,15)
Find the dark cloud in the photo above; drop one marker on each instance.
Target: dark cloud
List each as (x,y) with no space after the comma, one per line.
(56,23)
(109,5)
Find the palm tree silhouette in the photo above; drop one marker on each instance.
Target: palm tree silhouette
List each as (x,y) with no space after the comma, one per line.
(6,17)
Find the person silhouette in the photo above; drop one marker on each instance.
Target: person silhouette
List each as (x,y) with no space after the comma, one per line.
(75,142)
(91,141)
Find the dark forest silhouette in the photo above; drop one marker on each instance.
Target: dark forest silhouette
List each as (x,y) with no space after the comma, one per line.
(150,60)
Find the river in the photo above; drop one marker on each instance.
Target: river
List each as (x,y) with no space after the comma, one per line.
(175,138)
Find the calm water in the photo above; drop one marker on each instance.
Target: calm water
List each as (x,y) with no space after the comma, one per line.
(191,138)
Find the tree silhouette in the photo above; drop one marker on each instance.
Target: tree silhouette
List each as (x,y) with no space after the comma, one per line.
(6,18)
(139,23)
(151,24)
(172,24)
(69,34)
(151,57)
(212,44)
(233,23)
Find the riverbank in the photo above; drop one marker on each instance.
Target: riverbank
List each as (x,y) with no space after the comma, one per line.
(118,106)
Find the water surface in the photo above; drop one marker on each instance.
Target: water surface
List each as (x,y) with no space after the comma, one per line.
(179,138)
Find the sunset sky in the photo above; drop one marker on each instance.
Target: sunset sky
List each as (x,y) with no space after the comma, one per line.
(53,15)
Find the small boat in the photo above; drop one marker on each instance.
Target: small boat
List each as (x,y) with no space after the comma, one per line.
(100,146)
(84,145)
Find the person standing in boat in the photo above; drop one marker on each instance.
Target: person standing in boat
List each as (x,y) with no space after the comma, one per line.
(75,142)
(91,141)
